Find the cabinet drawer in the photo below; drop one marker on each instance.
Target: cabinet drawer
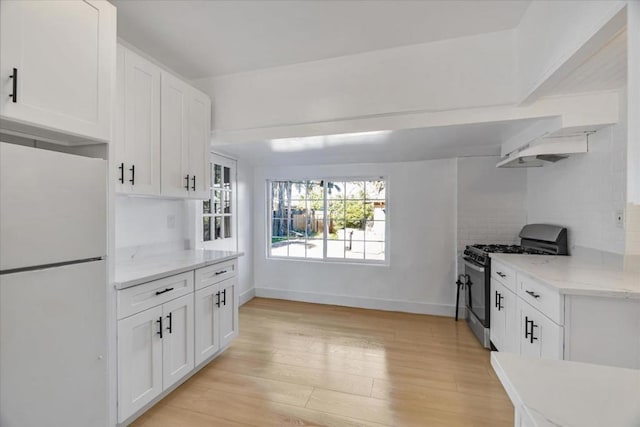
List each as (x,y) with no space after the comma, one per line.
(137,298)
(542,297)
(216,273)
(504,274)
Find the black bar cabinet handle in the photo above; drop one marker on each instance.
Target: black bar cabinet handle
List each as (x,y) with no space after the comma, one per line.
(500,306)
(526,327)
(187,179)
(224,297)
(162,292)
(194,183)
(501,274)
(496,304)
(14,77)
(220,272)
(121,167)
(531,337)
(170,317)
(217,299)
(133,175)
(533,294)
(159,330)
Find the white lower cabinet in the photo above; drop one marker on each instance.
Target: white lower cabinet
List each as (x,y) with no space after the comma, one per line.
(503,313)
(216,318)
(171,328)
(139,361)
(539,336)
(155,350)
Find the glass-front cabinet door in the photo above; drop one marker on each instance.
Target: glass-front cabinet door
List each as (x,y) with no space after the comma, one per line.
(218,226)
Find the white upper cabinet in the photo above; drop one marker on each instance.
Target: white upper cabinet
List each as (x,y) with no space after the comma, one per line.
(137,135)
(57,61)
(185,129)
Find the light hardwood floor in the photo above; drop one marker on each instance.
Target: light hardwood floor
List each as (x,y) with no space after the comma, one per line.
(297,364)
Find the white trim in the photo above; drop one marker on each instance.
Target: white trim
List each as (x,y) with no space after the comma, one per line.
(246,296)
(360,302)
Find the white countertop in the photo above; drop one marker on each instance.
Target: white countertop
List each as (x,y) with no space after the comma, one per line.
(576,276)
(140,269)
(562,393)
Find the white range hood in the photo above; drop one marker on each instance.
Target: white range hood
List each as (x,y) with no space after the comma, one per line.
(546,150)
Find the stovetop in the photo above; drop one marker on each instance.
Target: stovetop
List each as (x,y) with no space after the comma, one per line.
(480,252)
(507,249)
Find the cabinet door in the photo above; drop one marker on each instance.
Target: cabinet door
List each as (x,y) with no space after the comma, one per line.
(497,316)
(509,310)
(175,178)
(137,124)
(64,54)
(199,122)
(139,361)
(228,312)
(177,340)
(207,310)
(539,336)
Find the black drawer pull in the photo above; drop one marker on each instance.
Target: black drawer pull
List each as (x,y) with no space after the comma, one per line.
(500,306)
(194,183)
(14,77)
(121,167)
(496,304)
(501,274)
(159,330)
(220,272)
(533,294)
(162,292)
(170,317)
(531,337)
(187,179)
(133,175)
(224,297)
(217,299)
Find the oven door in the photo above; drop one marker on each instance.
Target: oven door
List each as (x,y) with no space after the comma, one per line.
(476,290)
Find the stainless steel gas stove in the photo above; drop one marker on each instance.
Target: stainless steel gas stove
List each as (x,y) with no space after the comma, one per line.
(536,239)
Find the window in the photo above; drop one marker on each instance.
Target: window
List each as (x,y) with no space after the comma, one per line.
(218,213)
(336,219)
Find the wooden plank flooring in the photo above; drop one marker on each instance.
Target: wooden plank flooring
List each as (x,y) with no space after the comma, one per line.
(297,364)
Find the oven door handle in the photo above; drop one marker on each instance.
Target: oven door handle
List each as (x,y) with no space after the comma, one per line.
(473,265)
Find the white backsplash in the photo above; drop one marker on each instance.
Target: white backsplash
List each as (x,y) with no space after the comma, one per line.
(491,202)
(149,226)
(584,192)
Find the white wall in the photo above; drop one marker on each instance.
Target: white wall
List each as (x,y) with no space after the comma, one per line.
(245,196)
(143,222)
(584,191)
(550,32)
(492,202)
(444,75)
(421,211)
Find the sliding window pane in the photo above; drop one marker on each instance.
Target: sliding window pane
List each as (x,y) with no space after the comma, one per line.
(217,202)
(374,250)
(375,190)
(226,202)
(354,249)
(375,230)
(335,190)
(206,207)
(355,190)
(315,248)
(335,248)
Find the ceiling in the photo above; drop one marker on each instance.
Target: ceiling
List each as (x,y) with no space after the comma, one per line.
(210,38)
(482,139)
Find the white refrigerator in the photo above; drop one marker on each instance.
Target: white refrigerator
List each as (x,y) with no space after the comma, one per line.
(53,331)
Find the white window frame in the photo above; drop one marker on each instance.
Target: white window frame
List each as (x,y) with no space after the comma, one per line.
(325,258)
(230,243)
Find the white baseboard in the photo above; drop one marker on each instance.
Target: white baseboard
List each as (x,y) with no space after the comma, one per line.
(360,302)
(246,296)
